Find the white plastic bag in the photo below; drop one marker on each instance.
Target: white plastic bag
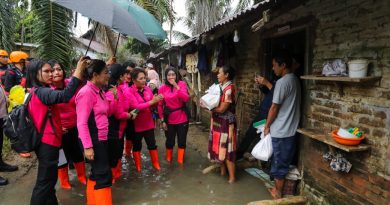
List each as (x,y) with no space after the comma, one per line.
(61,159)
(263,149)
(211,99)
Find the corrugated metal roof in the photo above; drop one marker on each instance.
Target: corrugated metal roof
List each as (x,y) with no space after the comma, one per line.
(235,16)
(218,24)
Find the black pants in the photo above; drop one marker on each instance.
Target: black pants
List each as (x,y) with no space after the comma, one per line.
(149,139)
(44,192)
(130,131)
(179,130)
(249,137)
(71,146)
(115,151)
(100,168)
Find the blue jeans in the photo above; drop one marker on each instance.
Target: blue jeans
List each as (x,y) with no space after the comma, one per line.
(283,154)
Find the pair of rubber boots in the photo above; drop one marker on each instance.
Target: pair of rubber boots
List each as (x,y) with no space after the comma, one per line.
(98,196)
(180,155)
(64,177)
(116,171)
(153,156)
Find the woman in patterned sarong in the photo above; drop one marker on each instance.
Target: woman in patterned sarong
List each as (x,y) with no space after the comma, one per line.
(223,131)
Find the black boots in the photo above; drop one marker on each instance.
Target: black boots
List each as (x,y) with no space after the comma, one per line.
(3,181)
(4,167)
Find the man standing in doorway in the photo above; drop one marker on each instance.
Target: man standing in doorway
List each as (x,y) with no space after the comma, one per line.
(283,119)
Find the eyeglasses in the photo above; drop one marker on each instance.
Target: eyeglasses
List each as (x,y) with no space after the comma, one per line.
(4,57)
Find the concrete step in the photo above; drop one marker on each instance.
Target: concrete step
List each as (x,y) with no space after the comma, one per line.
(294,200)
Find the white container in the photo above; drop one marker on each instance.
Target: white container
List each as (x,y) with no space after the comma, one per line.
(357,68)
(344,133)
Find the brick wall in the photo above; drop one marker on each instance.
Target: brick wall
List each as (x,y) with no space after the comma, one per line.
(342,29)
(348,30)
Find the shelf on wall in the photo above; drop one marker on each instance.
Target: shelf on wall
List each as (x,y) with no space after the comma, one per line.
(327,139)
(341,79)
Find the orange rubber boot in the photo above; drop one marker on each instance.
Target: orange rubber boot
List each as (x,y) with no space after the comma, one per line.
(91,192)
(80,169)
(180,155)
(168,155)
(128,147)
(64,178)
(137,160)
(103,196)
(154,156)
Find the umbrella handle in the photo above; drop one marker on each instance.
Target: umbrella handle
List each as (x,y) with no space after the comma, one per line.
(90,41)
(116,46)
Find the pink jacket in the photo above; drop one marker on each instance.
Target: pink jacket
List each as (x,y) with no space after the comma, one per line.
(42,98)
(90,99)
(174,99)
(38,112)
(68,111)
(144,120)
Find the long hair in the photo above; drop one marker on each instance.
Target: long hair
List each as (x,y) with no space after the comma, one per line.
(178,76)
(33,69)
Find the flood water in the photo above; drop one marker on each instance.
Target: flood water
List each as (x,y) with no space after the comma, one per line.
(173,185)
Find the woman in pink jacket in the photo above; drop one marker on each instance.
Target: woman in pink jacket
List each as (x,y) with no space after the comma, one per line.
(45,114)
(173,115)
(144,125)
(119,114)
(70,142)
(92,123)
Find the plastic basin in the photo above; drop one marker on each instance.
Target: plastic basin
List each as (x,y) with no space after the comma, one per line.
(346,141)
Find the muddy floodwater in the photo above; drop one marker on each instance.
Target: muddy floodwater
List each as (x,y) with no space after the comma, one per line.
(173,185)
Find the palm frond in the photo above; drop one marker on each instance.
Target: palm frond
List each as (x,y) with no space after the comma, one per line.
(53,31)
(6,25)
(243,4)
(180,36)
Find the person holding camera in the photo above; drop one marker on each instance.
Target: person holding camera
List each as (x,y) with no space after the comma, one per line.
(45,100)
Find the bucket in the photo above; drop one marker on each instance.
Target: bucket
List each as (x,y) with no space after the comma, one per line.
(358,68)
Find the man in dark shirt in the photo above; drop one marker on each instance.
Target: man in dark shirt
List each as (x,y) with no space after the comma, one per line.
(250,135)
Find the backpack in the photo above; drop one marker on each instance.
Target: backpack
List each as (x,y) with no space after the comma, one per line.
(20,129)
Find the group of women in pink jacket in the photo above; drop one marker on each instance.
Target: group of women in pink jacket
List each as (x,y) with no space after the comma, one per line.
(97,107)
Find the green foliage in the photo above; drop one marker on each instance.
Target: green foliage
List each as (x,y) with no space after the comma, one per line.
(24,20)
(136,47)
(6,25)
(158,8)
(52,32)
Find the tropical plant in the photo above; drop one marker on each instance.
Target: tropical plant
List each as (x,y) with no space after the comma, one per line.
(6,25)
(52,32)
(25,19)
(243,4)
(160,9)
(136,47)
(215,10)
